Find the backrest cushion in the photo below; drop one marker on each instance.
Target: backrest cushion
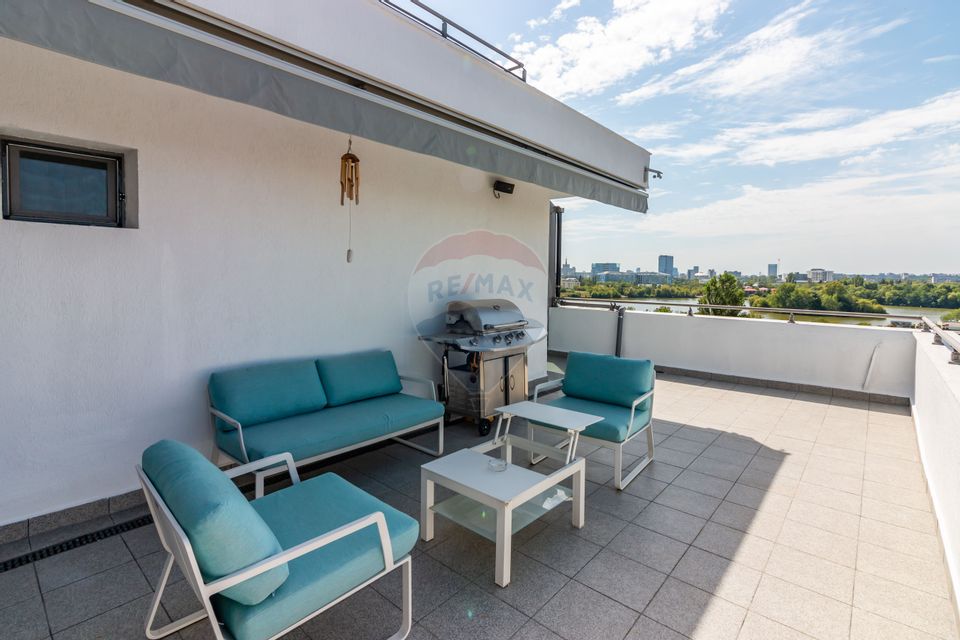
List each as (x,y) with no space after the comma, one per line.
(609,379)
(358,376)
(225,532)
(267,392)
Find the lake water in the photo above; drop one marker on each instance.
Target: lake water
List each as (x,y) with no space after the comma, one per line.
(933,314)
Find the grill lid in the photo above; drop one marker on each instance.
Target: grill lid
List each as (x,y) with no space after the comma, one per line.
(483,316)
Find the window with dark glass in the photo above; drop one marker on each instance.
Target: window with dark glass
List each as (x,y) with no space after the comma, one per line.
(45,183)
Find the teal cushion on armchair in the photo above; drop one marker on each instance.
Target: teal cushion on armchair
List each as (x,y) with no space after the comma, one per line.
(267,392)
(358,376)
(608,379)
(226,532)
(302,512)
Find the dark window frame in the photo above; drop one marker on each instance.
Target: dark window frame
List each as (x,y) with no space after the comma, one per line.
(11,150)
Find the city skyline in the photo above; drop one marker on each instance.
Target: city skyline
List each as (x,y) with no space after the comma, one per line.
(820,132)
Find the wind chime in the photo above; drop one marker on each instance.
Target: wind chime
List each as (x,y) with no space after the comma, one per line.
(349,189)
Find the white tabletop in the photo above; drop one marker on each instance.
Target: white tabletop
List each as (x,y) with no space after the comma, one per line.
(552,416)
(470,469)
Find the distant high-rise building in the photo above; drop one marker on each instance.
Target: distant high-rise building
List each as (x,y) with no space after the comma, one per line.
(568,271)
(820,275)
(712,273)
(692,272)
(601,267)
(772,270)
(652,277)
(676,272)
(665,265)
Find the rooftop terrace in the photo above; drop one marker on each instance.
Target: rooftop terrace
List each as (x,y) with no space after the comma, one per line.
(767,514)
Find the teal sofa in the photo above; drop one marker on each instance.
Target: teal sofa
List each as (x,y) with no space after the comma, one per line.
(317,408)
(620,390)
(265,567)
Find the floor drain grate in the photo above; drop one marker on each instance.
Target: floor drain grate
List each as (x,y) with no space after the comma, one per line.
(74,543)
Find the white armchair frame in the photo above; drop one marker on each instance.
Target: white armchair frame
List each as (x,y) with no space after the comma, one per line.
(179,551)
(261,474)
(620,481)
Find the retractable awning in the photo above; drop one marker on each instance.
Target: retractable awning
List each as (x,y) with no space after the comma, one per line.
(136,40)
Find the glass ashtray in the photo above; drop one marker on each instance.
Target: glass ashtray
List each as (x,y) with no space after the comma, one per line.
(497,464)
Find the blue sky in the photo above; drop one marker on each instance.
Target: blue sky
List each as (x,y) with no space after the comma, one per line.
(823,133)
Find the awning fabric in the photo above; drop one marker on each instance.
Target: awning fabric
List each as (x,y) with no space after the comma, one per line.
(110,38)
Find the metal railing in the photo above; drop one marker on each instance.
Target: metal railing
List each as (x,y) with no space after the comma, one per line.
(949,339)
(511,65)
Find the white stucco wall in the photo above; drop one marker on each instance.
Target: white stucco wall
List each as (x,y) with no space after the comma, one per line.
(826,355)
(936,412)
(107,336)
(411,57)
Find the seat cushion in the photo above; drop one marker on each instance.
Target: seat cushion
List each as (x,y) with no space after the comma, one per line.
(297,514)
(358,376)
(608,379)
(267,392)
(616,419)
(333,428)
(225,531)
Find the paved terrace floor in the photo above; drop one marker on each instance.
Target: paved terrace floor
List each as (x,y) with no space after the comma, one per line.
(767,515)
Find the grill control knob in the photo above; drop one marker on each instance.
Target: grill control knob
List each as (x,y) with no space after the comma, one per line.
(520,334)
(497,339)
(474,341)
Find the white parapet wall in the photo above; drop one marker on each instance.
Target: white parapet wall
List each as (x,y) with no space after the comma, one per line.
(936,412)
(837,356)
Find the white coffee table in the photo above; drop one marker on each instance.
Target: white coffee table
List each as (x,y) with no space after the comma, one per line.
(497,504)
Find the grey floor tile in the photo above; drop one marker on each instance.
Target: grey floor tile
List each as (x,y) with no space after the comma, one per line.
(580,613)
(811,572)
(645,487)
(533,630)
(433,584)
(648,547)
(82,562)
(24,621)
(123,623)
(926,575)
(696,504)
(88,598)
(798,608)
(617,503)
(738,546)
(624,580)
(142,541)
(908,606)
(670,522)
(756,627)
(473,614)
(718,575)
(759,523)
(152,566)
(706,484)
(560,550)
(649,629)
(17,585)
(683,444)
(695,613)
(660,471)
(674,457)
(532,584)
(718,468)
(362,616)
(818,542)
(599,527)
(869,626)
(465,552)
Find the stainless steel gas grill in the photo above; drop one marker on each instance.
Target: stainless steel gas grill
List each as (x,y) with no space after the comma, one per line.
(485,357)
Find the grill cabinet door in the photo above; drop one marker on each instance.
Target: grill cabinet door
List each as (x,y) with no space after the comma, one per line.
(516,378)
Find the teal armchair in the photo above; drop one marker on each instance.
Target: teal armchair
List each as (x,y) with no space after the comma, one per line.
(618,389)
(263,568)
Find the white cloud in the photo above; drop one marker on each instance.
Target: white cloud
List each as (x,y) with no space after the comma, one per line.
(823,134)
(575,203)
(849,223)
(556,14)
(947,58)
(773,57)
(656,131)
(598,54)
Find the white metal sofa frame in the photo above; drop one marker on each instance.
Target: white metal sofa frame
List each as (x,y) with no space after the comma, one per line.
(260,476)
(619,480)
(179,550)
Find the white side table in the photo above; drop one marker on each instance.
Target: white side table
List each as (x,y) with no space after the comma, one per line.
(497,504)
